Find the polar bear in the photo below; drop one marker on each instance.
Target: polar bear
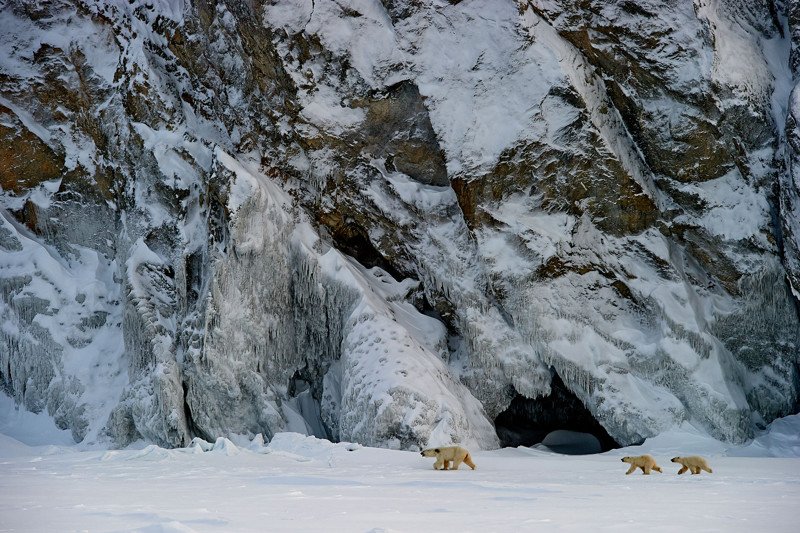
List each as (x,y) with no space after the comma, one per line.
(645,462)
(695,463)
(447,454)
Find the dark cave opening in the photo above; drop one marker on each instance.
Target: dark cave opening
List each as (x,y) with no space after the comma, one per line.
(560,421)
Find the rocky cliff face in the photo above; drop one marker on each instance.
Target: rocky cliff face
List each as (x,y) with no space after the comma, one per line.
(396,222)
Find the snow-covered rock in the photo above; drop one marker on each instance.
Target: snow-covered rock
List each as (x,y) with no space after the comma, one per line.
(383,222)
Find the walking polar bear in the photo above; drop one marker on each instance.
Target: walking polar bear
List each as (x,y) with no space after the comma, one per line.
(695,463)
(645,462)
(447,454)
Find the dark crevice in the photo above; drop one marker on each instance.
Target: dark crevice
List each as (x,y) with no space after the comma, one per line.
(306,392)
(443,312)
(194,269)
(776,223)
(7,380)
(6,385)
(353,241)
(527,421)
(194,431)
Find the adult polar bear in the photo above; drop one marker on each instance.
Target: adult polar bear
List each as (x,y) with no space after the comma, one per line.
(695,463)
(447,454)
(645,462)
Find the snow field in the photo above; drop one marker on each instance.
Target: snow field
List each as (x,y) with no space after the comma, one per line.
(299,483)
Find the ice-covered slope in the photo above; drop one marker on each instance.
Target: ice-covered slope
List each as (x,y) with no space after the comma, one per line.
(387,222)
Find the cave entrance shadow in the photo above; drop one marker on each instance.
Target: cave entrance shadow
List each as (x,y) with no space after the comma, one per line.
(558,421)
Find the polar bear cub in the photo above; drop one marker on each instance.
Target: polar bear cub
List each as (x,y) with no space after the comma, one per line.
(645,462)
(447,454)
(695,463)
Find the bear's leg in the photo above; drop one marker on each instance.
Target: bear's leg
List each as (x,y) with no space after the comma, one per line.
(468,460)
(646,470)
(438,464)
(446,465)
(683,469)
(657,469)
(695,470)
(630,470)
(456,464)
(707,469)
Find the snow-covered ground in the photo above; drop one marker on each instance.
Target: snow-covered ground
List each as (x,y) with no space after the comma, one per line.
(299,483)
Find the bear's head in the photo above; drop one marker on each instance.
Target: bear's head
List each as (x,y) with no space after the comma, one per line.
(429,452)
(626,459)
(675,459)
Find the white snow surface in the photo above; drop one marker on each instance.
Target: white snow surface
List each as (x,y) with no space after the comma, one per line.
(300,483)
